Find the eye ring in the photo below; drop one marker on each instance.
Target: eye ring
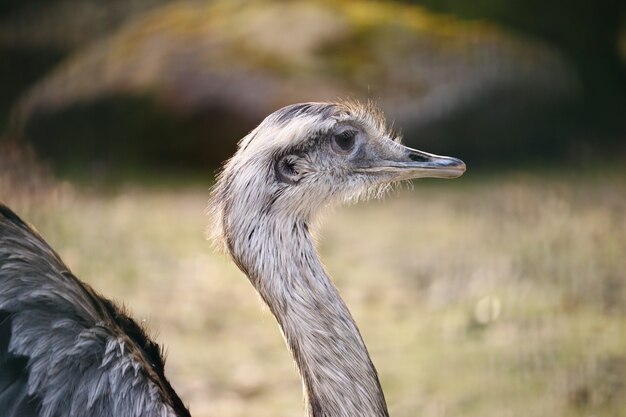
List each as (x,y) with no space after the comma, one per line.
(286,170)
(344,142)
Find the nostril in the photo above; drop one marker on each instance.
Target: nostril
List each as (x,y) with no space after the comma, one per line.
(416,157)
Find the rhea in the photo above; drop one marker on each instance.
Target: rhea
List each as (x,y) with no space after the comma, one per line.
(66,351)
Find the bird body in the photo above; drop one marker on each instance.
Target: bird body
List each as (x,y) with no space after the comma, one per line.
(66,351)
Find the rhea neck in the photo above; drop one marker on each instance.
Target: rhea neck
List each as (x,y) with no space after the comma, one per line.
(279,257)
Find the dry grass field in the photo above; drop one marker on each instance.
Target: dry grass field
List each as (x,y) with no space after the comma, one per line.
(498,296)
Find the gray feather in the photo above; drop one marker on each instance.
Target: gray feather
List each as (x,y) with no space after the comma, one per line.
(81,355)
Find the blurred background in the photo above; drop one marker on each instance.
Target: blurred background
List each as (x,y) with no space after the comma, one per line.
(502,293)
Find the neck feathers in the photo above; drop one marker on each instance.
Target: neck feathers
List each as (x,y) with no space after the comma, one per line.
(338,376)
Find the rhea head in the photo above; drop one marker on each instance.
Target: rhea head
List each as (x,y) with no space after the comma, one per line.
(306,156)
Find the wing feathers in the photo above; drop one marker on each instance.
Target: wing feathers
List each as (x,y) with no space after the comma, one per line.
(65,350)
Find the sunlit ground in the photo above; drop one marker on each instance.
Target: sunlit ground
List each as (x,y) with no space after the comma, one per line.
(498,296)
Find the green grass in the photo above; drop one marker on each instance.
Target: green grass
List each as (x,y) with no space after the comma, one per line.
(498,296)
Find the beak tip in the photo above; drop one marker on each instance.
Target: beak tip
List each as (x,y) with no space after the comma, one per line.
(457,166)
(462,167)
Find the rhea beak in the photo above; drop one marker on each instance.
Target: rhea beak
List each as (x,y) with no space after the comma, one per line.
(398,162)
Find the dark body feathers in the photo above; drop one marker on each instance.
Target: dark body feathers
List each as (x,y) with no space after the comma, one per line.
(65,351)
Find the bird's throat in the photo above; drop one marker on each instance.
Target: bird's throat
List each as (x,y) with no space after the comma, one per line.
(338,376)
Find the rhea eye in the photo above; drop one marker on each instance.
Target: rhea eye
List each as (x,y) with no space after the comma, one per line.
(344,142)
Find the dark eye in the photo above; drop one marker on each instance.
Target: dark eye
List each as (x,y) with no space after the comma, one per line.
(344,142)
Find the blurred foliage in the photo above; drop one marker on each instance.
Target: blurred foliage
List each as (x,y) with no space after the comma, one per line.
(36,35)
(178,84)
(170,85)
(589,125)
(587,32)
